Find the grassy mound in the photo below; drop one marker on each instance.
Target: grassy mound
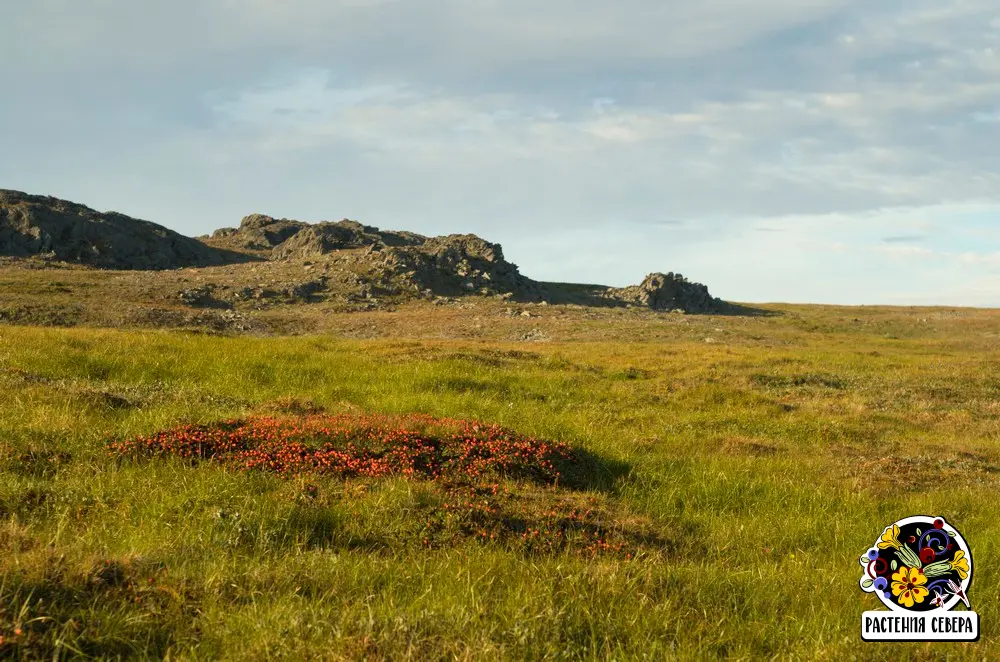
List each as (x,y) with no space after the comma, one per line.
(484,482)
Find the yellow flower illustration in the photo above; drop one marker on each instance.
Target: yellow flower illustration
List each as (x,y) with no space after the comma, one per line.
(908,586)
(890,538)
(961,564)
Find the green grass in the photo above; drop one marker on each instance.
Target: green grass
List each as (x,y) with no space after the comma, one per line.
(770,458)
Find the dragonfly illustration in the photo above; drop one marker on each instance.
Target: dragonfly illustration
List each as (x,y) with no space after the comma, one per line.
(957,590)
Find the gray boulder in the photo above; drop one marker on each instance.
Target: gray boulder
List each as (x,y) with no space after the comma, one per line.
(669,292)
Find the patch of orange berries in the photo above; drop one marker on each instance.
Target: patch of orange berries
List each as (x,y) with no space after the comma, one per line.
(371,446)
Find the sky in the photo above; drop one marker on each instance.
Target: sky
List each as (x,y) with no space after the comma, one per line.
(824,151)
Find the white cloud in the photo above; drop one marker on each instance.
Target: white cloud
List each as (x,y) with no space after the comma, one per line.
(991,260)
(903,251)
(755,156)
(461,35)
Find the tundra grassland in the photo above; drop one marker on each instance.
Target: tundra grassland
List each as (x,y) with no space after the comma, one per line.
(729,473)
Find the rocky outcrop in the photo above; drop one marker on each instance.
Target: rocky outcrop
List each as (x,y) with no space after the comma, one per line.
(33,225)
(356,261)
(456,264)
(260,232)
(322,238)
(668,292)
(403,262)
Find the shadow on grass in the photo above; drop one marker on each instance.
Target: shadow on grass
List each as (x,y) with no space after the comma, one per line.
(115,610)
(588,471)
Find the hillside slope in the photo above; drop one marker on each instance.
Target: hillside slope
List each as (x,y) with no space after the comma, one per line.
(41,225)
(267,261)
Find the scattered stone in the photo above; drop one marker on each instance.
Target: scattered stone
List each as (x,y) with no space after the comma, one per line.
(535,335)
(202,296)
(305,290)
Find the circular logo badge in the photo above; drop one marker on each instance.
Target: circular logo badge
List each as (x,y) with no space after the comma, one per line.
(918,564)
